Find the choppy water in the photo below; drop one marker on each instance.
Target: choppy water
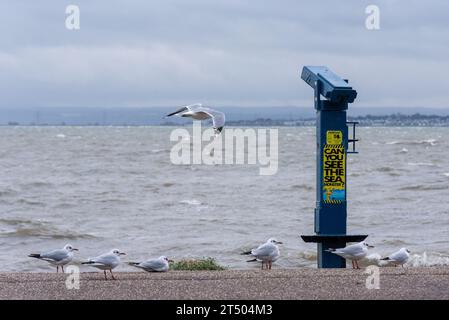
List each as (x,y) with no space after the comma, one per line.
(105,187)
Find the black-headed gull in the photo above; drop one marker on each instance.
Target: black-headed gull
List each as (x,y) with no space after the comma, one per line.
(353,252)
(160,264)
(106,261)
(198,112)
(58,257)
(400,257)
(267,252)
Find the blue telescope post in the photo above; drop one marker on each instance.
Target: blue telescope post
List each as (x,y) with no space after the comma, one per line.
(332,148)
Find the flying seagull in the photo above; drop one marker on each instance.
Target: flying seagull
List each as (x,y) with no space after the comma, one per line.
(160,264)
(107,261)
(267,252)
(58,258)
(353,252)
(198,112)
(400,257)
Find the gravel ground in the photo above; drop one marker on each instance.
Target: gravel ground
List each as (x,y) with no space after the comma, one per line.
(306,283)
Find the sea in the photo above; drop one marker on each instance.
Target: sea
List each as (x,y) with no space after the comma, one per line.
(100,188)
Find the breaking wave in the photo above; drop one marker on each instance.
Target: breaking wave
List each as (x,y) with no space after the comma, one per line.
(24,228)
(428,260)
(160,151)
(192,202)
(427,164)
(425,259)
(430,142)
(308,255)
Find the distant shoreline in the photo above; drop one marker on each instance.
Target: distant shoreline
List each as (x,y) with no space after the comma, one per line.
(235,116)
(392,120)
(231,125)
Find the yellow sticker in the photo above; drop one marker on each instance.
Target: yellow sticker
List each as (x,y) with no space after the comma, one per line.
(334,137)
(334,174)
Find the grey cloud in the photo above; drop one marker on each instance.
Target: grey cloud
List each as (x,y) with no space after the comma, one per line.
(144,53)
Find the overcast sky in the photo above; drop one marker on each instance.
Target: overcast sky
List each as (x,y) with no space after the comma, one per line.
(222,52)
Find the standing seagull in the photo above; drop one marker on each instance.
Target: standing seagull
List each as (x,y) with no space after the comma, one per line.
(399,257)
(353,252)
(267,252)
(198,112)
(58,258)
(153,265)
(107,261)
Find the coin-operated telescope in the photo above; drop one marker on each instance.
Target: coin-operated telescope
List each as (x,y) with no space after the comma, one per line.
(332,149)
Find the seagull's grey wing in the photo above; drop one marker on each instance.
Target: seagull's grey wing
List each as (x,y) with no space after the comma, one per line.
(55,255)
(266,249)
(218,118)
(156,265)
(398,256)
(105,259)
(352,250)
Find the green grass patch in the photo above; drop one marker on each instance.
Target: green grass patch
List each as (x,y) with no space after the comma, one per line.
(196,264)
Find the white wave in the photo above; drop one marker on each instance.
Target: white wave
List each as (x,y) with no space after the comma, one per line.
(432,142)
(371,259)
(428,260)
(393,142)
(416,260)
(158,150)
(192,202)
(421,164)
(446,174)
(60,135)
(404,150)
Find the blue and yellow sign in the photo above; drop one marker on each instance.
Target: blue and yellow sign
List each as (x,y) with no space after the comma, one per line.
(334,167)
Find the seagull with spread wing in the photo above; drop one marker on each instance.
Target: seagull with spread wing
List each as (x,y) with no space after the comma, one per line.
(198,112)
